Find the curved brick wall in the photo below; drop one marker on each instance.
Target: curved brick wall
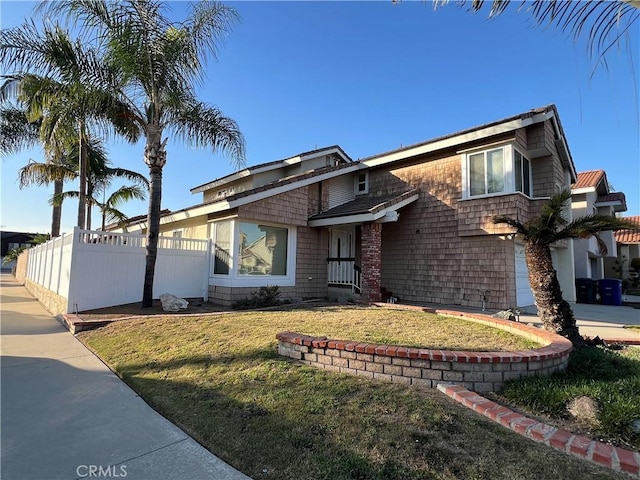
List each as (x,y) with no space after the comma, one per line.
(478,371)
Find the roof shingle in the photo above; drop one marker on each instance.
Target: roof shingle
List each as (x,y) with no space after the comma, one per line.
(629,236)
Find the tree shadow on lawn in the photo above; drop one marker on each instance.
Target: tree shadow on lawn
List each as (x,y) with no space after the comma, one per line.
(274,418)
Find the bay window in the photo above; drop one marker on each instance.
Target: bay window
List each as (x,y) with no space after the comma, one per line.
(247,253)
(496,171)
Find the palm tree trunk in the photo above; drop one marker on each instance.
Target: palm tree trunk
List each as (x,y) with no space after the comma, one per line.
(155,157)
(56,214)
(82,188)
(555,312)
(89,204)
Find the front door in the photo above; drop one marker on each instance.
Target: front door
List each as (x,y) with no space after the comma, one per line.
(342,243)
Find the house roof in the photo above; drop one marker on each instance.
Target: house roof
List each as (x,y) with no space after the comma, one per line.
(536,115)
(255,194)
(616,199)
(263,167)
(364,209)
(629,236)
(590,179)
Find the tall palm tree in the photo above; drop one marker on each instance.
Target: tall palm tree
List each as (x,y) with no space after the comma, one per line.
(606,22)
(18,133)
(157,63)
(99,177)
(53,77)
(538,234)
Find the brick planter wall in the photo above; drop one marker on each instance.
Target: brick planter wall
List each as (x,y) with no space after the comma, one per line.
(477,371)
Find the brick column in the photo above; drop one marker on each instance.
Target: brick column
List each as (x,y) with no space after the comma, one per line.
(371,261)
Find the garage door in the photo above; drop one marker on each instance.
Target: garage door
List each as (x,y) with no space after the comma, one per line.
(524,295)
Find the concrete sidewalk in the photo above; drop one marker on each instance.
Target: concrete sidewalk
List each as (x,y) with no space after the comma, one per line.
(65,415)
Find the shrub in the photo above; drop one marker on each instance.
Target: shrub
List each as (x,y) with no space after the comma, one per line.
(268,296)
(635,264)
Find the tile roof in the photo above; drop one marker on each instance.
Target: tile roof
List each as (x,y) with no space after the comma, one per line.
(588,179)
(616,198)
(629,236)
(364,205)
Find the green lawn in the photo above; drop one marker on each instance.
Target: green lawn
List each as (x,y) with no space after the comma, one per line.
(220,379)
(612,378)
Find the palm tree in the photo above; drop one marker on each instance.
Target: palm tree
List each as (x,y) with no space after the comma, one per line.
(538,234)
(109,207)
(607,22)
(99,178)
(53,78)
(157,63)
(18,133)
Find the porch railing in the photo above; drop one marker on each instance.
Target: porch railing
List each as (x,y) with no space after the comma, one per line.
(344,271)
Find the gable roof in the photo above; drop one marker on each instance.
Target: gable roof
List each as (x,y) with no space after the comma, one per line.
(629,236)
(590,179)
(364,209)
(265,167)
(532,117)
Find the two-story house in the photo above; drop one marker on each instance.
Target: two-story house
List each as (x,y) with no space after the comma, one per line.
(591,194)
(415,221)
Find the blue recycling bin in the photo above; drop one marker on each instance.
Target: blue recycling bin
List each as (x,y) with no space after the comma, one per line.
(610,291)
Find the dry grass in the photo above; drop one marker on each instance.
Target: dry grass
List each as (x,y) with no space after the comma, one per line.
(220,379)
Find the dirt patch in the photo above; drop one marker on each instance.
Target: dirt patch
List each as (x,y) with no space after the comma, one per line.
(196,306)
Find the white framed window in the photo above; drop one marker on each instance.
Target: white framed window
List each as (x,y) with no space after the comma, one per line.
(252,254)
(522,171)
(362,183)
(495,171)
(222,241)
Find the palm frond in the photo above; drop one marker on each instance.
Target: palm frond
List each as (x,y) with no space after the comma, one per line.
(37,173)
(520,227)
(604,23)
(16,131)
(58,199)
(202,125)
(125,194)
(590,225)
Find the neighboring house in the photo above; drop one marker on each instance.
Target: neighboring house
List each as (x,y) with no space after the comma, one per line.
(415,221)
(628,242)
(11,240)
(591,194)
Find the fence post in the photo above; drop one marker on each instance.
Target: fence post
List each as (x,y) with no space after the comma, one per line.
(60,263)
(207,266)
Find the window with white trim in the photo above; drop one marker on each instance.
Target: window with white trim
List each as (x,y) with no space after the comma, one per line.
(522,170)
(245,252)
(222,247)
(362,183)
(263,249)
(496,171)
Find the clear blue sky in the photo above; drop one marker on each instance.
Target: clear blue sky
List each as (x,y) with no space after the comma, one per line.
(371,76)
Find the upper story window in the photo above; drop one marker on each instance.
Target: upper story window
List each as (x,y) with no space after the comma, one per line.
(496,171)
(522,170)
(362,183)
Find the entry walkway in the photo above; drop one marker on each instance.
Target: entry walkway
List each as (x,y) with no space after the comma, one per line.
(65,415)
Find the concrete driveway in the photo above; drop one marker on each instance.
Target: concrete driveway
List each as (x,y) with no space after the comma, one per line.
(605,321)
(65,415)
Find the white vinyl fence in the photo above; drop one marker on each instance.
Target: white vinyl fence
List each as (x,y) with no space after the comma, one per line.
(95,269)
